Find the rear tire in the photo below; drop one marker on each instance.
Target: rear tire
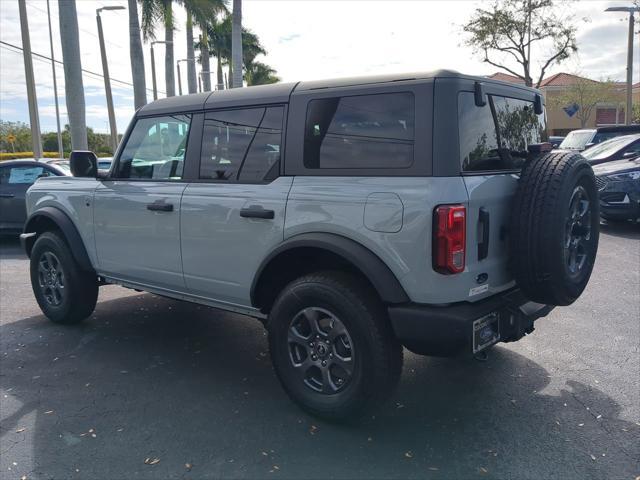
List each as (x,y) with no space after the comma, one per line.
(65,293)
(345,365)
(554,228)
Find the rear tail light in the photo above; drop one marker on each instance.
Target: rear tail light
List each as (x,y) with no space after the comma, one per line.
(449,238)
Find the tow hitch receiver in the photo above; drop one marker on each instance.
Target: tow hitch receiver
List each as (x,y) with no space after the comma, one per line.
(486,331)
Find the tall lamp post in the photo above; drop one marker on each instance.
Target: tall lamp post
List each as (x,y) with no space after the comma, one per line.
(179,76)
(153,67)
(55,85)
(631,11)
(107,82)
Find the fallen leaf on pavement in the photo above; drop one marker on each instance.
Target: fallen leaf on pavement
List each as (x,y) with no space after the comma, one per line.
(20,430)
(151,461)
(48,412)
(188,466)
(593,457)
(408,454)
(483,470)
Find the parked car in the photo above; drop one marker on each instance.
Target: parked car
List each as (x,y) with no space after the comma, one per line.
(555,141)
(58,162)
(619,189)
(618,148)
(340,213)
(586,137)
(16,176)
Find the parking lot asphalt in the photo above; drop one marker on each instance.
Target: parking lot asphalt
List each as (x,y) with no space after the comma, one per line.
(155,388)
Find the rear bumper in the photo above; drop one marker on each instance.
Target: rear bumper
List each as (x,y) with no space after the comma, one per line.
(448,330)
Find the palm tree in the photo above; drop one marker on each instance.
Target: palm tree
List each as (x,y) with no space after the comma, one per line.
(137,57)
(236,44)
(169,77)
(203,13)
(191,65)
(73,86)
(258,73)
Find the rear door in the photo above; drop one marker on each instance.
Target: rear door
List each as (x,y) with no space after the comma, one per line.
(233,213)
(493,141)
(137,210)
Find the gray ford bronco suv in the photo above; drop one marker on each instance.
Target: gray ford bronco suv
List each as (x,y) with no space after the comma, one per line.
(353,217)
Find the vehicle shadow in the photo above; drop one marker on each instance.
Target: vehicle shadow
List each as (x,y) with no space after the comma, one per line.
(10,247)
(627,230)
(148,378)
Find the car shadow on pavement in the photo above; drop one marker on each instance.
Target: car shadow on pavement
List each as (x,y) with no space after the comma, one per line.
(190,391)
(627,230)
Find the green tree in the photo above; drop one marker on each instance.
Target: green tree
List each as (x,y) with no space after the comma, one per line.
(21,131)
(258,73)
(504,33)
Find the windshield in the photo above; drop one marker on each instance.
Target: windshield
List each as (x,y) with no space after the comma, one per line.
(577,139)
(607,148)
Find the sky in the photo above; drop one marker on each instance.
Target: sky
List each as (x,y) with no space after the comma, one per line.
(304,39)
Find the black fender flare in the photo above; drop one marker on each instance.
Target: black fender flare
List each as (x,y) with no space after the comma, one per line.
(68,229)
(371,266)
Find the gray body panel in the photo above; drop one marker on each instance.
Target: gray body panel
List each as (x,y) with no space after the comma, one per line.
(133,242)
(221,251)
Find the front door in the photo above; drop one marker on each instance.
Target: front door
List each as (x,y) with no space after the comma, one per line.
(233,216)
(137,210)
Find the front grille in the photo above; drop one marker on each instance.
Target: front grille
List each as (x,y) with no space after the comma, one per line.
(601,183)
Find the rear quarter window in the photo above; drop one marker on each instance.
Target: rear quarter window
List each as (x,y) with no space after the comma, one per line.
(496,136)
(360,132)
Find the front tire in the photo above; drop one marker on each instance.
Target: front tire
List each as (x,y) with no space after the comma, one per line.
(332,346)
(65,293)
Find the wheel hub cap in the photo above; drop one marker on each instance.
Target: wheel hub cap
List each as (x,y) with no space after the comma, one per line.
(51,278)
(578,231)
(320,350)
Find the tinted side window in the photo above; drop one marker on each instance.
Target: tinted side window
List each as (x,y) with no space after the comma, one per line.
(226,138)
(262,161)
(366,131)
(155,149)
(24,175)
(496,136)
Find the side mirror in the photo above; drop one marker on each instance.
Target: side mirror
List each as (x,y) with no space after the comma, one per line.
(83,164)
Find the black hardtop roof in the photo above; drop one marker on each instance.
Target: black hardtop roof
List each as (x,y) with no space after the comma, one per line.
(280,92)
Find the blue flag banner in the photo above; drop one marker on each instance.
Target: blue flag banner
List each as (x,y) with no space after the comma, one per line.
(571,110)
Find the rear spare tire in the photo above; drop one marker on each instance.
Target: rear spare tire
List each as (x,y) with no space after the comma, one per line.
(554,228)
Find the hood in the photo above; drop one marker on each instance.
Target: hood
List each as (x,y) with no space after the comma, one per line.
(617,166)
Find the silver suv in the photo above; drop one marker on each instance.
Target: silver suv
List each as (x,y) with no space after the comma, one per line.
(353,217)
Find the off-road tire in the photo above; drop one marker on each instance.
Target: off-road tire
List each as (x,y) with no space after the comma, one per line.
(542,225)
(80,288)
(377,354)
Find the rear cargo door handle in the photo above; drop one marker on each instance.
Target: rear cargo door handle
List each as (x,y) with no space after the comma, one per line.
(257,211)
(160,207)
(483,244)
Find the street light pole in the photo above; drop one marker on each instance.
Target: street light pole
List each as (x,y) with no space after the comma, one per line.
(153,68)
(30,79)
(153,73)
(631,11)
(107,82)
(55,85)
(179,76)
